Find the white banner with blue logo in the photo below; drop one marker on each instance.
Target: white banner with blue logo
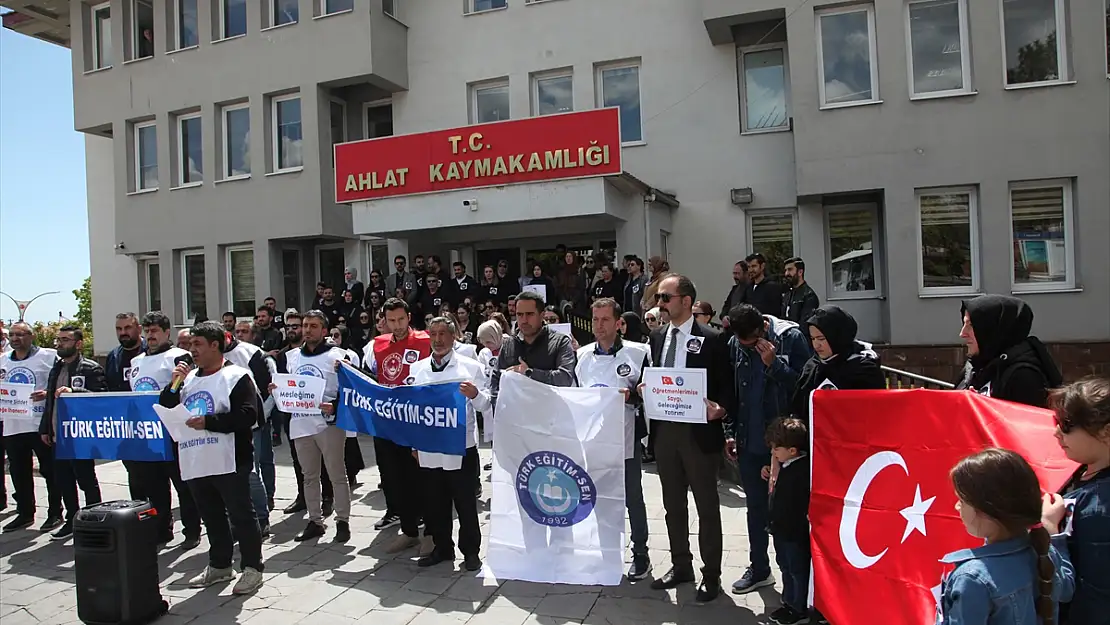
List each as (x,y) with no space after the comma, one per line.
(427,417)
(557,513)
(111,426)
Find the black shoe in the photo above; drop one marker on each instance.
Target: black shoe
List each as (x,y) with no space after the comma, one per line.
(270,504)
(709,590)
(264,529)
(673,579)
(641,567)
(487,466)
(164,538)
(342,531)
(353,484)
(64,532)
(816,618)
(478,490)
(749,581)
(434,558)
(190,542)
(298,505)
(328,507)
(20,522)
(52,523)
(276,440)
(387,521)
(472,563)
(787,615)
(312,530)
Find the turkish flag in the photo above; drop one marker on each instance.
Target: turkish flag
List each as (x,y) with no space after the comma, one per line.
(882,509)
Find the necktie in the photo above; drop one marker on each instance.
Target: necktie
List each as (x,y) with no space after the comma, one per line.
(668,360)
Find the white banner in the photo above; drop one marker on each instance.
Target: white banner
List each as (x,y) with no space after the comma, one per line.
(557,512)
(298,393)
(15,401)
(675,394)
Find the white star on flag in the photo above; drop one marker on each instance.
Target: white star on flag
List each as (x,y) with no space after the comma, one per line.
(915,514)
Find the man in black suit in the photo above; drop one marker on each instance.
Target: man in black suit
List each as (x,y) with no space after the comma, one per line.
(688,454)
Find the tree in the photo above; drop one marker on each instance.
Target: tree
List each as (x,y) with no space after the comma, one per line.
(84,314)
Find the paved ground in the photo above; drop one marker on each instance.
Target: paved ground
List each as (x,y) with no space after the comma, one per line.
(331,584)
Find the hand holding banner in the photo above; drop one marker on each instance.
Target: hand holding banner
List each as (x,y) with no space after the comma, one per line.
(111,426)
(298,393)
(675,395)
(15,401)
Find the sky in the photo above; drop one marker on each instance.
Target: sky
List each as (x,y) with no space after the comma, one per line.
(44,237)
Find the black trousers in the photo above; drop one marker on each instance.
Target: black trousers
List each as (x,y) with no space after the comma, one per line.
(444,490)
(224,498)
(21,449)
(150,481)
(71,474)
(328,491)
(681,465)
(401,483)
(352,458)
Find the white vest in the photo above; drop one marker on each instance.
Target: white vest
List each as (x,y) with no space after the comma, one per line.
(465,349)
(208,453)
(621,370)
(458,368)
(241,356)
(34,370)
(302,424)
(154,373)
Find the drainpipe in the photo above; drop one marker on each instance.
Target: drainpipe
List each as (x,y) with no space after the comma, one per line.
(649,199)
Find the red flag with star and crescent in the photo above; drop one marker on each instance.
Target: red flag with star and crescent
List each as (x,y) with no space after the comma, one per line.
(882,508)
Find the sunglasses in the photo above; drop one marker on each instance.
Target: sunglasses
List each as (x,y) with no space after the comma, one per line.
(1065,425)
(664,297)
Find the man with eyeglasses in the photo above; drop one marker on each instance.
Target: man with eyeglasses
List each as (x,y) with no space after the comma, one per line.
(431,298)
(400,278)
(509,286)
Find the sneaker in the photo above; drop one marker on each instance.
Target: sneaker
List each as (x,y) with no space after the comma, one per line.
(342,531)
(312,530)
(248,582)
(212,576)
(388,521)
(190,542)
(640,569)
(401,543)
(52,523)
(750,582)
(816,618)
(427,546)
(20,522)
(787,615)
(64,532)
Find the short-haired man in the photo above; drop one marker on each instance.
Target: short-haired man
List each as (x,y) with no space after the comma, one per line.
(535,350)
(614,363)
(72,373)
(400,279)
(245,354)
(799,302)
(117,368)
(153,371)
(736,294)
(271,303)
(448,479)
(762,292)
(184,339)
(228,320)
(432,296)
(461,286)
(269,338)
(224,403)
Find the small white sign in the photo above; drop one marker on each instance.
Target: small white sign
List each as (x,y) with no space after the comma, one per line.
(561,328)
(675,395)
(538,289)
(298,393)
(15,401)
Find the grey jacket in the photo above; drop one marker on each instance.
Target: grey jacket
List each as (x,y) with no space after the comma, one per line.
(550,359)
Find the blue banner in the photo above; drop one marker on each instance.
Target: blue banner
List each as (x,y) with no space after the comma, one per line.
(429,418)
(111,426)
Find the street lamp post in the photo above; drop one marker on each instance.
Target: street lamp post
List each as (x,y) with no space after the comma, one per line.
(22,305)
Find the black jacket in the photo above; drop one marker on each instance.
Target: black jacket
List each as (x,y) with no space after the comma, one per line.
(550,359)
(735,298)
(245,406)
(765,296)
(1010,364)
(602,289)
(456,291)
(92,380)
(428,303)
(799,303)
(115,368)
(788,516)
(634,294)
(853,365)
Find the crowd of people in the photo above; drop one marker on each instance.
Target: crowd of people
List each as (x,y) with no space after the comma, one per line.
(771,345)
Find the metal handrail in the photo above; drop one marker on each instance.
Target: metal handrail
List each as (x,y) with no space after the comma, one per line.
(898,379)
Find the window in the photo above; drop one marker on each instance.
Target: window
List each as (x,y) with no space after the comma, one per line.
(142,29)
(948,240)
(192,280)
(477,6)
(240,281)
(853,249)
(773,236)
(187,32)
(287,133)
(389,7)
(233,18)
(937,43)
(490,103)
(1041,218)
(379,121)
(285,12)
(1108,38)
(553,94)
(337,113)
(237,141)
(330,266)
(847,67)
(153,286)
(336,6)
(291,277)
(102,36)
(763,103)
(1033,41)
(190,152)
(146,156)
(620,86)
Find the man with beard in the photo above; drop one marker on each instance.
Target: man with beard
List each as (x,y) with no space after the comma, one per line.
(762,292)
(228,320)
(117,368)
(508,288)
(329,306)
(800,302)
(736,294)
(400,279)
(535,351)
(269,337)
(462,286)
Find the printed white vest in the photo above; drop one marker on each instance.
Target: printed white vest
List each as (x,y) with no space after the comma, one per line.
(208,453)
(621,370)
(34,370)
(302,424)
(154,373)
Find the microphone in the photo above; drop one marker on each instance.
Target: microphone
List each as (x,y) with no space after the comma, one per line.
(176,385)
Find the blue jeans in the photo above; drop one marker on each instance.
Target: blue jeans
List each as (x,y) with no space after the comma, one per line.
(264,457)
(634,501)
(793,559)
(755,493)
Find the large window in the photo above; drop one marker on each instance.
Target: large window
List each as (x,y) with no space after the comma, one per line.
(187,32)
(763,80)
(772,234)
(146,156)
(291,277)
(553,94)
(1041,220)
(240,281)
(142,29)
(101,36)
(489,102)
(237,141)
(619,85)
(853,250)
(153,286)
(337,113)
(939,62)
(233,22)
(948,240)
(477,6)
(330,266)
(284,12)
(847,67)
(336,6)
(194,298)
(1034,41)
(287,133)
(190,151)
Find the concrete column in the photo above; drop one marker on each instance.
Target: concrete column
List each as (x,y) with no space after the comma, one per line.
(214,282)
(267,273)
(169,279)
(813,246)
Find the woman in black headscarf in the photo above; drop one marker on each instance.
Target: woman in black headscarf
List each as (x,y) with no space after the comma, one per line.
(632,328)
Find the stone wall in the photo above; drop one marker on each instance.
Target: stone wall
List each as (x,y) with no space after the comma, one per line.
(944,362)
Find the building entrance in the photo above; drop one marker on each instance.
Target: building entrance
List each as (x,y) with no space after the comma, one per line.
(511,256)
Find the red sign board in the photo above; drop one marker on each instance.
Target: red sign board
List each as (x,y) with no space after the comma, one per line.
(550,147)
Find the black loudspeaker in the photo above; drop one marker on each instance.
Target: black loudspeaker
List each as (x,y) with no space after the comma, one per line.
(116,564)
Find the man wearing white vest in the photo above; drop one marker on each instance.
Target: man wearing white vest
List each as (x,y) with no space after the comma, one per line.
(153,371)
(319,442)
(27,363)
(449,480)
(250,357)
(217,463)
(613,363)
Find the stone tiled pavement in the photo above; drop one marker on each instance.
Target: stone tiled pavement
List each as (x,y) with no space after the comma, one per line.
(329,584)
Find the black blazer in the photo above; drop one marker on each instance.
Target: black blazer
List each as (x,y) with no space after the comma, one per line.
(713,357)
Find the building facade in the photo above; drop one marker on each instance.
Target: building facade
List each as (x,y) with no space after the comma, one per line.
(913,152)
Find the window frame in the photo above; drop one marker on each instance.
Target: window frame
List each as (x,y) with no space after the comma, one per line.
(346,132)
(877,258)
(185,254)
(1063,74)
(323,247)
(149,263)
(869,9)
(1070,283)
(484,86)
(537,77)
(395,11)
(136,34)
(182,150)
(741,52)
(275,133)
(179,22)
(976,287)
(1106,34)
(98,43)
(136,127)
(750,215)
(223,21)
(225,173)
(274,15)
(228,251)
(599,90)
(300,276)
(468,8)
(965,54)
(366,106)
(323,7)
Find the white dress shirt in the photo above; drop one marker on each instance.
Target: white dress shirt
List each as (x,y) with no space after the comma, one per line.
(458,367)
(683,337)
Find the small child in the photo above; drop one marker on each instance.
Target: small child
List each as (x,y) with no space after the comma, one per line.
(1017,576)
(788,519)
